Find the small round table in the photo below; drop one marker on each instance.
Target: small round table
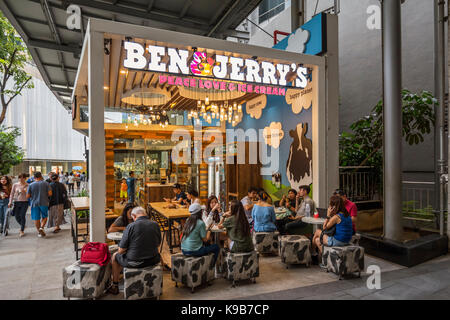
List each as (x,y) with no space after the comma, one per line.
(216,231)
(314,221)
(116,236)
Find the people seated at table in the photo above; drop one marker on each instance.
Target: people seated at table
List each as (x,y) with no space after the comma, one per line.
(248,202)
(289,202)
(305,207)
(121,223)
(338,217)
(138,247)
(192,196)
(237,227)
(180,197)
(195,235)
(263,214)
(350,206)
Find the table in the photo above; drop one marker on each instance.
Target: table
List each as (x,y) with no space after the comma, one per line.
(79,224)
(280,210)
(116,236)
(314,221)
(171,215)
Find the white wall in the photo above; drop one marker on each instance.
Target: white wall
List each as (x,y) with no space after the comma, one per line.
(45,125)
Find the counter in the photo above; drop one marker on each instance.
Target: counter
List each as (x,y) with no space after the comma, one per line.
(156,192)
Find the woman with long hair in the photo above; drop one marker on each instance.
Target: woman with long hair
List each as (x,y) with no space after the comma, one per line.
(121,223)
(192,196)
(19,199)
(238,229)
(337,216)
(213,209)
(263,214)
(195,234)
(5,193)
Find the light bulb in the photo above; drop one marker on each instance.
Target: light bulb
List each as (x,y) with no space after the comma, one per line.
(240,108)
(206,100)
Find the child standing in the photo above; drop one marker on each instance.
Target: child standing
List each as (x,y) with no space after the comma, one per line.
(123,191)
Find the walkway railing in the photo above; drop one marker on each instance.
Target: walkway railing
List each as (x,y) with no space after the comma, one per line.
(359,183)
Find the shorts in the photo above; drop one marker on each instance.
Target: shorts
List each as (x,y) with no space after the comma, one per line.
(332,242)
(123,194)
(38,213)
(121,259)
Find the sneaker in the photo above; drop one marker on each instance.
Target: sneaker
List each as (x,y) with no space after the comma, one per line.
(39,235)
(41,232)
(21,234)
(114,289)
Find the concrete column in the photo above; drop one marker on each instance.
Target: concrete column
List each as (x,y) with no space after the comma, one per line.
(297,14)
(392,75)
(97,183)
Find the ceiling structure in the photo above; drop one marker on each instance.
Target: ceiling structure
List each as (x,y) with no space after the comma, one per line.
(56,49)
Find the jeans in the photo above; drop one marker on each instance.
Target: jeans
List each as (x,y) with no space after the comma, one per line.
(3,208)
(131,196)
(20,211)
(204,251)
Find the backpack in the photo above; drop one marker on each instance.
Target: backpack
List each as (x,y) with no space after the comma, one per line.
(95,252)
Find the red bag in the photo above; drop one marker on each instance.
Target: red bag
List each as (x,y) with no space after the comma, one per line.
(95,252)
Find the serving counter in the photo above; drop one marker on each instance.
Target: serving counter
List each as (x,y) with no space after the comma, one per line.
(156,192)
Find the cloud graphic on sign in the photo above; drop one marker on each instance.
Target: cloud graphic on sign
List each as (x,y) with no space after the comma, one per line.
(255,106)
(301,98)
(273,134)
(297,41)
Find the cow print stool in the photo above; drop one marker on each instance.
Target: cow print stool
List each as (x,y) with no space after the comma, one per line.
(193,271)
(295,249)
(85,280)
(142,283)
(241,266)
(266,242)
(343,260)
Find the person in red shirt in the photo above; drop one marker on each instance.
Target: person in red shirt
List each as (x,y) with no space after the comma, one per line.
(350,206)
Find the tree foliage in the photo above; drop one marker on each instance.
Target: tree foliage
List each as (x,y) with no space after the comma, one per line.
(10,153)
(363,146)
(13,56)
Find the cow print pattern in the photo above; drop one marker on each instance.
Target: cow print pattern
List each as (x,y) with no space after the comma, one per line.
(193,271)
(344,260)
(355,240)
(143,283)
(295,249)
(241,266)
(266,242)
(85,280)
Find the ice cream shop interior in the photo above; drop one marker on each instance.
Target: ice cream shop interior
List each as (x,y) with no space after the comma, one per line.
(208,114)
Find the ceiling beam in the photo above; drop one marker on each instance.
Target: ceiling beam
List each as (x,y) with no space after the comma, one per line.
(187,5)
(43,22)
(53,65)
(71,48)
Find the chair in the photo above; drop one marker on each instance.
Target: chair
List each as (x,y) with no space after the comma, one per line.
(295,249)
(266,242)
(241,266)
(192,271)
(85,280)
(343,260)
(355,239)
(143,283)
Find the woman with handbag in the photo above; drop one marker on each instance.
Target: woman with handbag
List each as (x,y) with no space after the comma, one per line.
(337,229)
(19,200)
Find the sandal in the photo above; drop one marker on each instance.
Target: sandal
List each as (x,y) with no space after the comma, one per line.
(114,289)
(56,230)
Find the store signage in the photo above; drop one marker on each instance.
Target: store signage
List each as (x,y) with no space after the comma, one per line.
(310,38)
(217,66)
(221,85)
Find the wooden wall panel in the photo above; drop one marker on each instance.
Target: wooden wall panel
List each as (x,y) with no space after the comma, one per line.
(109,154)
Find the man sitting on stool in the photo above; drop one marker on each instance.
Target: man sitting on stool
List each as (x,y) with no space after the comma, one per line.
(138,247)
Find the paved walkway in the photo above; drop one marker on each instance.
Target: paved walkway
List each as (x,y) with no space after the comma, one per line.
(429,281)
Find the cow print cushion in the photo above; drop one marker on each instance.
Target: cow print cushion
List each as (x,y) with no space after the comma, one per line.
(343,260)
(266,242)
(143,283)
(193,271)
(241,266)
(85,280)
(295,249)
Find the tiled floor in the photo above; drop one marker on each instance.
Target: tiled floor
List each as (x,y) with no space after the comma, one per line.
(31,268)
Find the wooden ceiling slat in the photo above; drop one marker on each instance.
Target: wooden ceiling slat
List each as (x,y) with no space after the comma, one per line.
(138,79)
(130,81)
